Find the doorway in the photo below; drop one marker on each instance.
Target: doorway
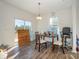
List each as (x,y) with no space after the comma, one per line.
(21,24)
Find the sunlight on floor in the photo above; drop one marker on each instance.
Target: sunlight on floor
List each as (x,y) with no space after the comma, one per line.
(12,57)
(12,49)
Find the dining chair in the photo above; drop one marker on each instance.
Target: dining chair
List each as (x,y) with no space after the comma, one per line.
(66,37)
(66,33)
(57,42)
(40,42)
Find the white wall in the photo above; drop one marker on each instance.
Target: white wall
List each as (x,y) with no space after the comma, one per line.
(65,19)
(74,16)
(8,14)
(77,21)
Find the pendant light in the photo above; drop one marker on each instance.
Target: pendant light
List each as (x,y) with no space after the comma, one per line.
(39,17)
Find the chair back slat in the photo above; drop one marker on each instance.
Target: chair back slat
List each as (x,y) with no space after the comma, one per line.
(37,37)
(52,40)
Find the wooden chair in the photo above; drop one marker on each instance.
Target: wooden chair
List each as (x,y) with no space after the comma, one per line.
(57,42)
(39,42)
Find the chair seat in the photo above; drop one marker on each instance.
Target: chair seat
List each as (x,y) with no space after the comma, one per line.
(58,43)
(42,41)
(48,39)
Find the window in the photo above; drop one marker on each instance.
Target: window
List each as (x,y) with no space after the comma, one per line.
(54,21)
(21,24)
(54,24)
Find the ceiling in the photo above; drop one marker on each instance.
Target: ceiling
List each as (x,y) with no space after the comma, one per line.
(47,6)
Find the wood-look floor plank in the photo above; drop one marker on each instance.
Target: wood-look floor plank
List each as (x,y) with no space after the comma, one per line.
(29,52)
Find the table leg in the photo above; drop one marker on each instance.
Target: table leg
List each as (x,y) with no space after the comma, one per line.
(63,45)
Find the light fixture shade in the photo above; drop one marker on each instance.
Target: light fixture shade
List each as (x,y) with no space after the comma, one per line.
(39,18)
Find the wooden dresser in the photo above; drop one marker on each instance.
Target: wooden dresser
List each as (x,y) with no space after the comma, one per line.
(23,37)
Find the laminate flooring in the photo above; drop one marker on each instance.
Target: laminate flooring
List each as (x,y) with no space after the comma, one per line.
(29,52)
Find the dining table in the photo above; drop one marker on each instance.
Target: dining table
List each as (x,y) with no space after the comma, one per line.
(52,38)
